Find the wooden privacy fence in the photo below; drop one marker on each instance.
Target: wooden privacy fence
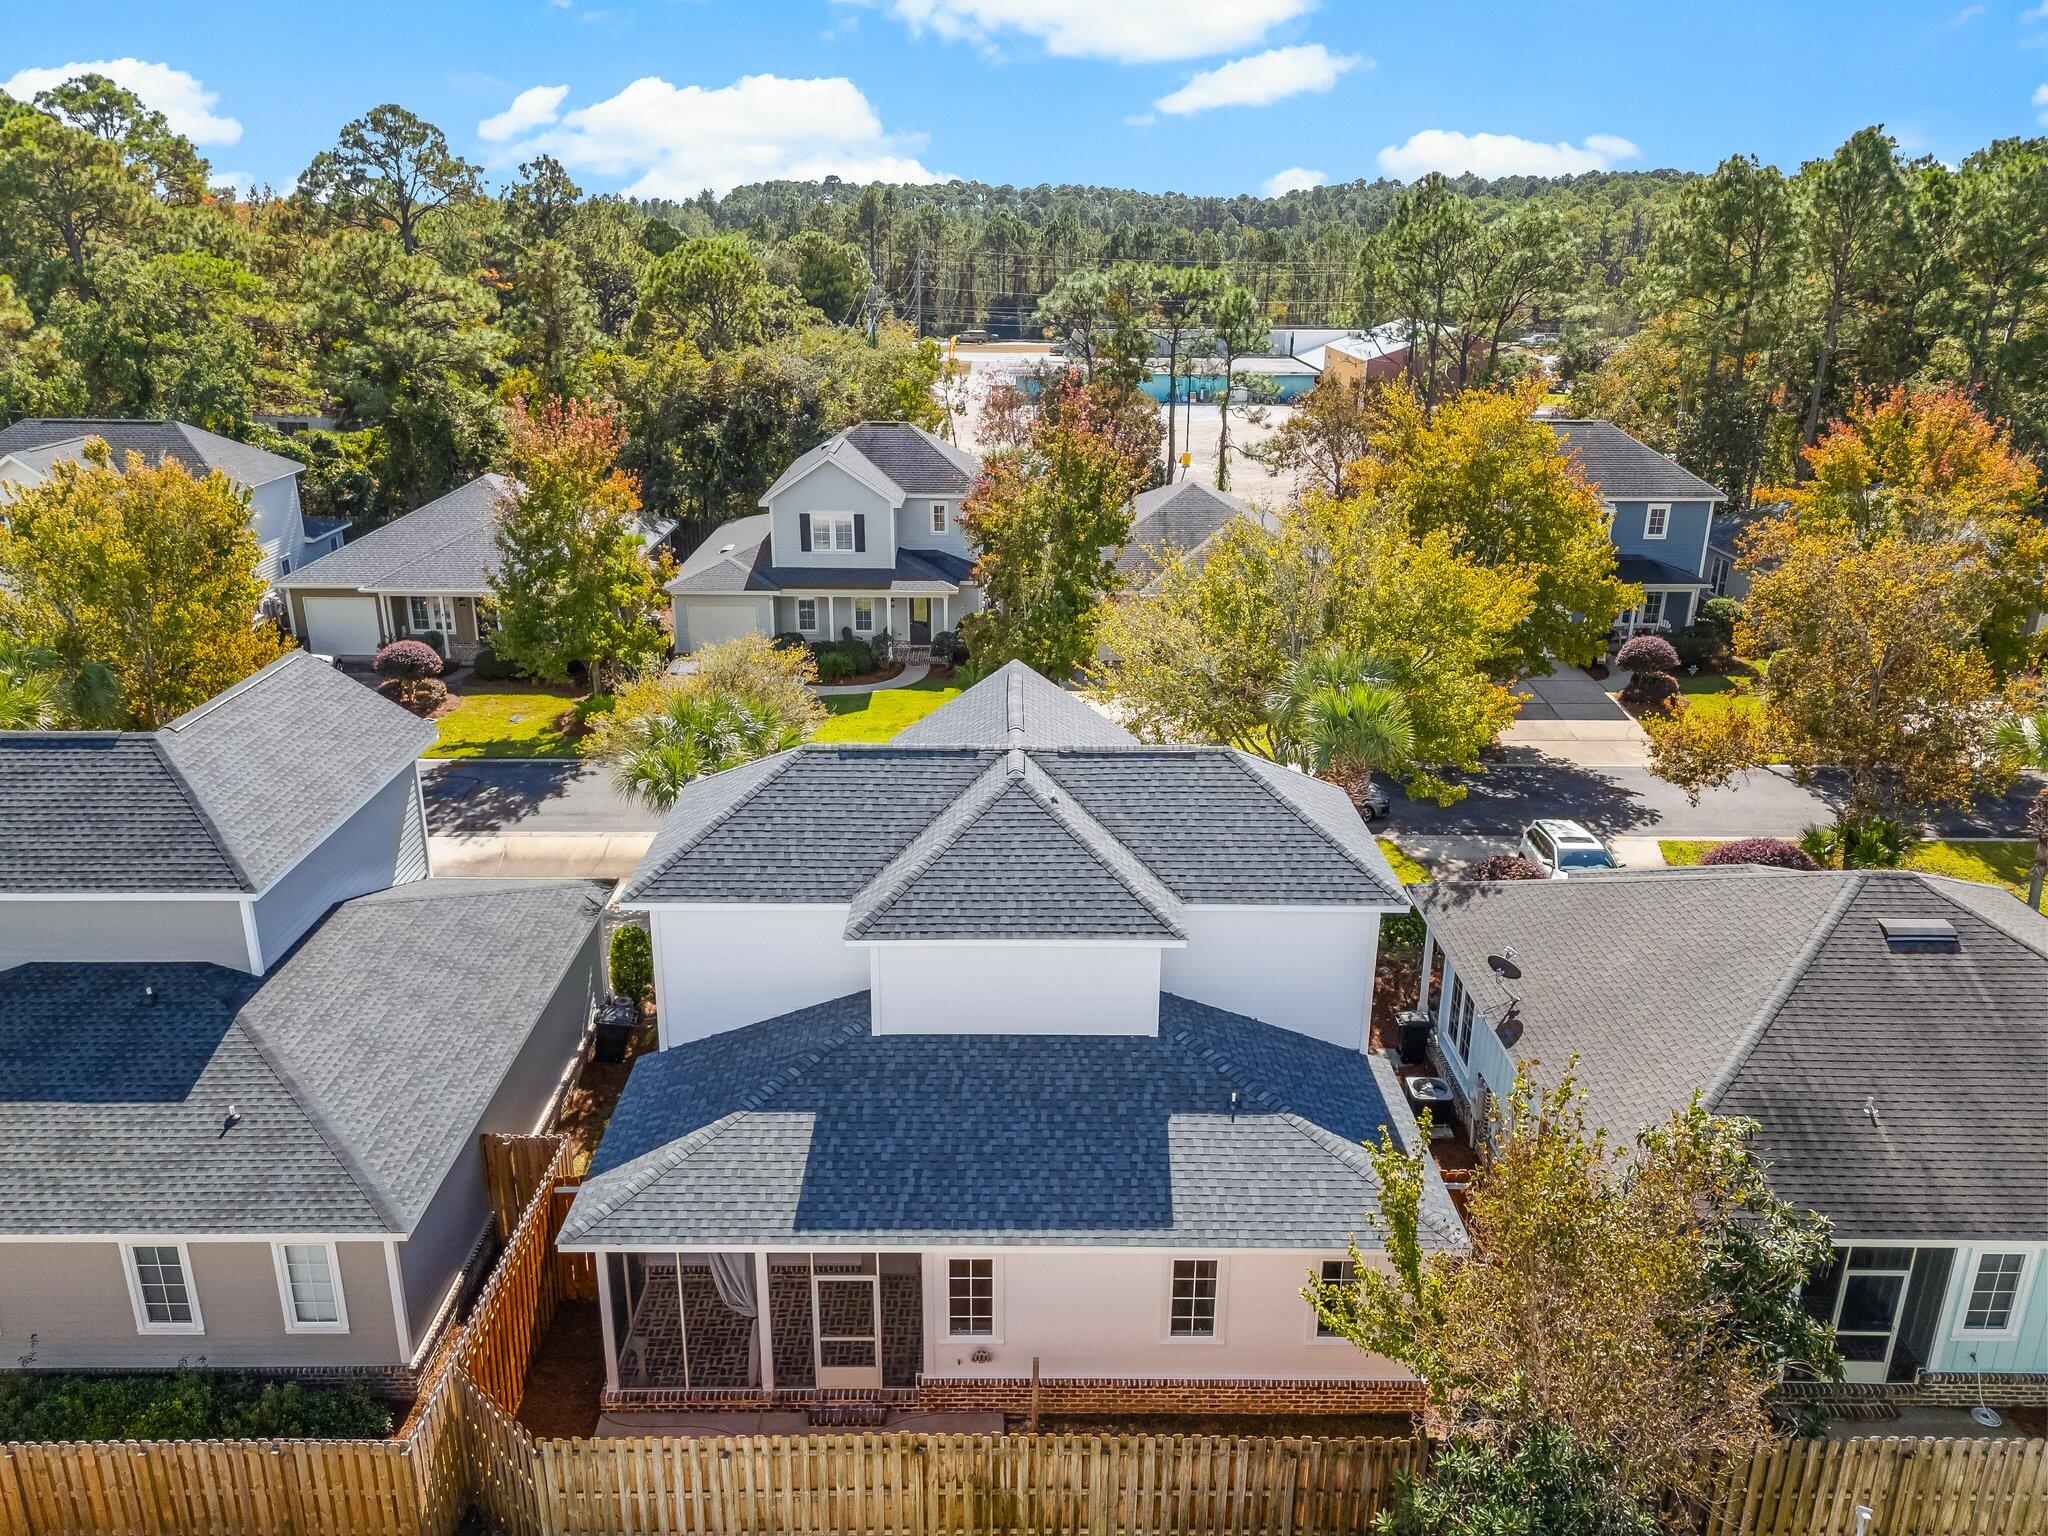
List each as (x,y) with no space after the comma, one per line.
(466,1444)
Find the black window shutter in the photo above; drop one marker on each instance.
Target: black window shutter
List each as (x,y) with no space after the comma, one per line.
(803,531)
(860,533)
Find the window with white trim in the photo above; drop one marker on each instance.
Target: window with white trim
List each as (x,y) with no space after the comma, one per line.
(807,615)
(1994,1291)
(1193,1314)
(163,1290)
(1657,520)
(971,1298)
(1461,1029)
(938,517)
(1653,607)
(310,1288)
(863,615)
(1335,1272)
(833,531)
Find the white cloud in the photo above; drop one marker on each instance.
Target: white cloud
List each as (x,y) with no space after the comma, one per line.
(236,184)
(2041,101)
(1129,31)
(1296,178)
(2037,13)
(535,107)
(1967,14)
(1500,154)
(185,103)
(1258,80)
(674,141)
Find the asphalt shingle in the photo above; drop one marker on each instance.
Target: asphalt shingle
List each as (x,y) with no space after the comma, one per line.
(62,438)
(1174,519)
(1623,469)
(810,1129)
(1015,707)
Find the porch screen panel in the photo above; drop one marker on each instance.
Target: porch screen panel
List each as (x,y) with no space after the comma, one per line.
(1924,1295)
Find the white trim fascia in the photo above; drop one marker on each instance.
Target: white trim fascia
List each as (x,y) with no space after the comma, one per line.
(396,1278)
(251,938)
(414,591)
(224,895)
(284,1290)
(198,1237)
(960,1245)
(142,1323)
(419,801)
(1016,943)
(1360,907)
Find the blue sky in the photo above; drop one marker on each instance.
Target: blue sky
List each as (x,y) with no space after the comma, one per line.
(1205,96)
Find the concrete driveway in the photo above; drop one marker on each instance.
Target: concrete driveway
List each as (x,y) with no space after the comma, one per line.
(536,818)
(1570,716)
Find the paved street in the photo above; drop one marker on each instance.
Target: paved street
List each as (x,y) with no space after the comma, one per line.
(564,818)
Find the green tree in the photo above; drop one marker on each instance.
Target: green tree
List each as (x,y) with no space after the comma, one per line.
(544,203)
(716,295)
(574,584)
(171,335)
(551,324)
(1543,1483)
(1236,328)
(141,574)
(2021,740)
(166,159)
(389,171)
(1046,521)
(632,962)
(1336,718)
(1853,207)
(832,275)
(1328,432)
(65,189)
(1180,298)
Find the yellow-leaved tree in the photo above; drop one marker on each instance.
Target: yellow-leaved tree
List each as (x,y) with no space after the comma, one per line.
(142,577)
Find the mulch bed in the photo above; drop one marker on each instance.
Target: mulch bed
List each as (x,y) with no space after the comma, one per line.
(566,1376)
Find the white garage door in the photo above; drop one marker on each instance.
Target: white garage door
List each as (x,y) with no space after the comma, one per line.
(340,626)
(705,621)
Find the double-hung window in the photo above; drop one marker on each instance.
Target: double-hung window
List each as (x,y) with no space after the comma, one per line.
(938,517)
(807,615)
(1461,1029)
(1653,607)
(833,531)
(1193,1309)
(863,615)
(1994,1292)
(160,1284)
(1458,1017)
(309,1286)
(1657,520)
(971,1298)
(1335,1272)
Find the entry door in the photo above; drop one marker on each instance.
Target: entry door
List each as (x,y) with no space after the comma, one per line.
(920,621)
(846,1322)
(1867,1311)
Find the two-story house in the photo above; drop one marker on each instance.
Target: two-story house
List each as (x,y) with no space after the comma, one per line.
(248,1043)
(1012,1061)
(860,534)
(288,539)
(1659,516)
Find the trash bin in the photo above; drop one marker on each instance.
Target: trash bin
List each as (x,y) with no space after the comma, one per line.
(1414,1026)
(617,1018)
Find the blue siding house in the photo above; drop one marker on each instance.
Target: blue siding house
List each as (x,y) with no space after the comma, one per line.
(1882,1027)
(1661,518)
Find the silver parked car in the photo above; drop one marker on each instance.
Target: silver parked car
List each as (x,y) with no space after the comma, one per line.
(1562,849)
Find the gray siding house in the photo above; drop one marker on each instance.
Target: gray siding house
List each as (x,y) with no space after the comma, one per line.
(1659,515)
(221,837)
(862,533)
(280,1174)
(288,538)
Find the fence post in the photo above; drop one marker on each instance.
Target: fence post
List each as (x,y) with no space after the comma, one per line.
(13,1502)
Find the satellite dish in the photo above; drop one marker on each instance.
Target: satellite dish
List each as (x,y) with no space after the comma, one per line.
(1504,967)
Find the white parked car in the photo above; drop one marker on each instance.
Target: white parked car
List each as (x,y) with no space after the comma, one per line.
(1562,849)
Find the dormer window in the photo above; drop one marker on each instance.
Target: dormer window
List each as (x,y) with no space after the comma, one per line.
(1657,520)
(938,517)
(833,531)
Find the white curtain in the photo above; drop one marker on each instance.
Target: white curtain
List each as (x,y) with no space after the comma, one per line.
(733,1274)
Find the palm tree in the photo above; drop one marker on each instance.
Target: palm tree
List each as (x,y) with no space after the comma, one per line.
(1336,718)
(27,702)
(2023,740)
(692,735)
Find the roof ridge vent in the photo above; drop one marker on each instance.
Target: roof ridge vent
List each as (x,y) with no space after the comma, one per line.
(1013,706)
(1919,935)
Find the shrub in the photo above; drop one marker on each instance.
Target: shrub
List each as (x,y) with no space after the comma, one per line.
(1772,851)
(185,1405)
(1878,843)
(1647,653)
(1722,614)
(1649,688)
(1506,866)
(789,640)
(407,661)
(1702,645)
(834,667)
(632,962)
(490,667)
(422,695)
(1548,1481)
(858,653)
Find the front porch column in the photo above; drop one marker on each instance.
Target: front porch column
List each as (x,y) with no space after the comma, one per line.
(1428,955)
(762,1330)
(604,1314)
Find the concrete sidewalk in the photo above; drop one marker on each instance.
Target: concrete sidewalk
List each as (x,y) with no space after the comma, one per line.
(539,855)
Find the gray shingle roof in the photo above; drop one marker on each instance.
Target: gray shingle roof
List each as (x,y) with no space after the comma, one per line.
(1209,824)
(1174,519)
(1014,856)
(448,545)
(1623,469)
(1219,1131)
(1776,994)
(52,439)
(913,460)
(1641,568)
(1015,707)
(734,558)
(226,798)
(357,1072)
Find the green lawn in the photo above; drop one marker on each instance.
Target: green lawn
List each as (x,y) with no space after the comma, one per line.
(1712,693)
(2001,861)
(507,721)
(878,716)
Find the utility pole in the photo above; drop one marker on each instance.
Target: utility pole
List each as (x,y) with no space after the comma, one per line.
(917,285)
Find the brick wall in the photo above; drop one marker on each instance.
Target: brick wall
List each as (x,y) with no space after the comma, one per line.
(1955,1389)
(1113,1395)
